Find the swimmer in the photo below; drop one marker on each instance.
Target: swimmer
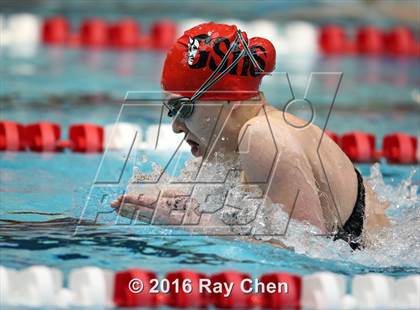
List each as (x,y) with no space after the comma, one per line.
(212,76)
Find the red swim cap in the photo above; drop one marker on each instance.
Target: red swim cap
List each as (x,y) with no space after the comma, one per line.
(199,51)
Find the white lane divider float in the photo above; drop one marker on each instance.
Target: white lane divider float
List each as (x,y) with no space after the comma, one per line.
(407,293)
(8,286)
(21,34)
(373,291)
(91,286)
(269,30)
(41,286)
(323,290)
(188,23)
(24,28)
(38,286)
(162,138)
(4,33)
(302,37)
(122,136)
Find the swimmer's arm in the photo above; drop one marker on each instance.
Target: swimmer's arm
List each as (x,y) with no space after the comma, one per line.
(172,208)
(282,171)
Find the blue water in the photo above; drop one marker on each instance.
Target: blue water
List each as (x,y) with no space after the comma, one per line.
(42,195)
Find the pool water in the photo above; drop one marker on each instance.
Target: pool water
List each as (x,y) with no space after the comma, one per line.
(43,195)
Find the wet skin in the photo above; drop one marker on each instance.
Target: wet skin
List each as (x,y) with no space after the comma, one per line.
(279,152)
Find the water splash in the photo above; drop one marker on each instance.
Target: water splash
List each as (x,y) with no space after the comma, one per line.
(393,246)
(396,245)
(403,195)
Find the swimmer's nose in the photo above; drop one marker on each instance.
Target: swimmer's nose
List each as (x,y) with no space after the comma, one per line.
(178,126)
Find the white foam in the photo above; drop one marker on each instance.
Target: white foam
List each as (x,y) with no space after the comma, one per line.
(393,246)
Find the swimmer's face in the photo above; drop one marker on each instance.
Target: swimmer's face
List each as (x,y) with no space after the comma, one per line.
(203,127)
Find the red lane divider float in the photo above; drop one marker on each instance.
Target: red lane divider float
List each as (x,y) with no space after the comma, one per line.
(55,30)
(11,136)
(400,148)
(184,290)
(237,297)
(86,138)
(360,147)
(400,42)
(94,33)
(126,34)
(163,34)
(275,300)
(99,33)
(43,137)
(42,286)
(369,40)
(333,40)
(133,288)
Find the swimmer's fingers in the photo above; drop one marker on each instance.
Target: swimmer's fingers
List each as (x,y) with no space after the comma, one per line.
(117,202)
(159,215)
(173,200)
(133,211)
(159,211)
(134,199)
(135,206)
(146,199)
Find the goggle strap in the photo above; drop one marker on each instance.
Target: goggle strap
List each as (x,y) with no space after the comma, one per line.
(166,105)
(211,80)
(216,79)
(219,67)
(248,51)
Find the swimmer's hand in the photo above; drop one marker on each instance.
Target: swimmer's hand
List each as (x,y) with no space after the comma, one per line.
(172,208)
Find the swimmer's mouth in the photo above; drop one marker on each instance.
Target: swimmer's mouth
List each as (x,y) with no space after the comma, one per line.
(195,147)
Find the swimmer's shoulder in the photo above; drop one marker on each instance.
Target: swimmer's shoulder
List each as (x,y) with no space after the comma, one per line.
(266,124)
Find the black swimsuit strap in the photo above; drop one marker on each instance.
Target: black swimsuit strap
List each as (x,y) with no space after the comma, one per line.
(352,230)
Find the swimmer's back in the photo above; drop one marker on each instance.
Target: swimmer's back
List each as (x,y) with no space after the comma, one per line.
(337,187)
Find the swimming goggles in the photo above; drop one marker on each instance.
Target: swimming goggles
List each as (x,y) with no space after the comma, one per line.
(183,107)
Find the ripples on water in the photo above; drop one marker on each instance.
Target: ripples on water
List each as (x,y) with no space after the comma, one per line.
(396,250)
